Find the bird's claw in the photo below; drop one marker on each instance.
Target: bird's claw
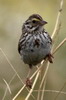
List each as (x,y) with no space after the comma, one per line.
(49,57)
(28,83)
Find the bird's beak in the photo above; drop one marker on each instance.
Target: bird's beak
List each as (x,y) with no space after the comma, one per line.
(43,22)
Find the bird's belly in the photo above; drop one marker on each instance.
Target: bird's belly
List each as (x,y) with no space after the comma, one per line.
(35,50)
(34,55)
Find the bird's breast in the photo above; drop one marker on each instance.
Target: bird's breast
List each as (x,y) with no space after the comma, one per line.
(36,48)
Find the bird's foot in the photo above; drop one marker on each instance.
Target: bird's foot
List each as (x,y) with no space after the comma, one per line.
(28,83)
(49,57)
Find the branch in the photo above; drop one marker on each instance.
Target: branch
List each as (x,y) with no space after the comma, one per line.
(8,85)
(55,32)
(60,91)
(42,96)
(56,29)
(33,86)
(44,76)
(25,85)
(58,47)
(14,70)
(53,91)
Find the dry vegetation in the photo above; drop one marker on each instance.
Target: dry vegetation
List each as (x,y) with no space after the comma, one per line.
(41,89)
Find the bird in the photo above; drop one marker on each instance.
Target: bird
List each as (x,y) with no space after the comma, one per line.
(35,43)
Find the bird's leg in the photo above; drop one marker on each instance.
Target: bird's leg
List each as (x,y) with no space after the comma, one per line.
(28,75)
(28,81)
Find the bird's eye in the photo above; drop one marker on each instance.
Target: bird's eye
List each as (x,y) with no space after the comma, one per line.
(34,21)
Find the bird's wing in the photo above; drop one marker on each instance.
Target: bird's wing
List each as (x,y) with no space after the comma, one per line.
(21,42)
(47,36)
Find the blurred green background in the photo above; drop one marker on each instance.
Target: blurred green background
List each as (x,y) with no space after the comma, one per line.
(12,15)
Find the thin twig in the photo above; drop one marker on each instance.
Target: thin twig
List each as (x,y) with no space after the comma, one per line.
(55,50)
(57,21)
(7,88)
(42,95)
(36,78)
(11,65)
(60,91)
(39,68)
(14,69)
(53,91)
(56,30)
(25,85)
(44,74)
(47,67)
(30,79)
(7,85)
(53,35)
(14,98)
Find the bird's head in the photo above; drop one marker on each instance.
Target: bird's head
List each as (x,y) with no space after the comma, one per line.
(34,22)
